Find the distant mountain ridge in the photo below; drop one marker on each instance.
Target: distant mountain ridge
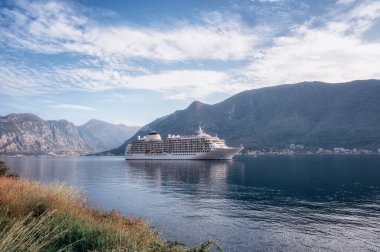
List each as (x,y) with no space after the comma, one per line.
(106,135)
(310,113)
(30,135)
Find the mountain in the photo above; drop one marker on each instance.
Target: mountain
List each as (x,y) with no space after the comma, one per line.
(28,134)
(106,136)
(309,113)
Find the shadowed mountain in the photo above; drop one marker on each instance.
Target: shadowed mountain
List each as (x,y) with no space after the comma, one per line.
(106,135)
(310,113)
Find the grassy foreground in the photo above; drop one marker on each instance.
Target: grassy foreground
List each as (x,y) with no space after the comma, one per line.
(56,217)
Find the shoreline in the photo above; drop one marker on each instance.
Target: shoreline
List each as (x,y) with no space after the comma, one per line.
(50,217)
(235,157)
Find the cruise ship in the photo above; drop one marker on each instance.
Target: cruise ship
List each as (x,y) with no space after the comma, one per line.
(199,146)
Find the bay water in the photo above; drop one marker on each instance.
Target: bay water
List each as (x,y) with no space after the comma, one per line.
(265,203)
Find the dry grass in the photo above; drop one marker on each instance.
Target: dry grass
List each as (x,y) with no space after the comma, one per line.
(28,233)
(84,228)
(22,197)
(37,217)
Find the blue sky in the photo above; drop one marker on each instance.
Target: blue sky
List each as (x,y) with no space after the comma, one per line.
(133,61)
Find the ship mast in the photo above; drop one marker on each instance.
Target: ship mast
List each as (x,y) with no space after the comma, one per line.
(200,131)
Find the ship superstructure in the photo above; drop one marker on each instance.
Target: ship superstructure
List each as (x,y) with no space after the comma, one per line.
(199,146)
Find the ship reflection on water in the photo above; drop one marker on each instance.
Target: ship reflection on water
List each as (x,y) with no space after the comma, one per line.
(182,173)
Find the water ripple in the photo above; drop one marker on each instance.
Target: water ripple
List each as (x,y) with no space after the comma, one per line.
(298,203)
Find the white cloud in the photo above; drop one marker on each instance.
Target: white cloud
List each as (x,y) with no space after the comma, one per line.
(41,26)
(345,2)
(55,27)
(18,79)
(183,84)
(335,52)
(270,1)
(179,84)
(73,107)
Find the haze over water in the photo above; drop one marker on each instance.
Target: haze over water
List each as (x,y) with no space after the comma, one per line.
(268,203)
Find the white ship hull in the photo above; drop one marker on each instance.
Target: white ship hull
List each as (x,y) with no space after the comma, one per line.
(218,154)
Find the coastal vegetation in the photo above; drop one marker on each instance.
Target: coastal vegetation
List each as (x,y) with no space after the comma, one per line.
(56,217)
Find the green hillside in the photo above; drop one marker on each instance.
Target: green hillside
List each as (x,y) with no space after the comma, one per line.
(310,113)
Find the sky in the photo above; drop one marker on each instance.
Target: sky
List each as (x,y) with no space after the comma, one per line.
(127,61)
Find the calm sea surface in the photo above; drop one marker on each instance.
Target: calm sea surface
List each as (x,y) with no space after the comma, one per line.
(269,203)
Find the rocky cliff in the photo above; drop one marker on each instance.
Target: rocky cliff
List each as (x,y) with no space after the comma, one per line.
(30,135)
